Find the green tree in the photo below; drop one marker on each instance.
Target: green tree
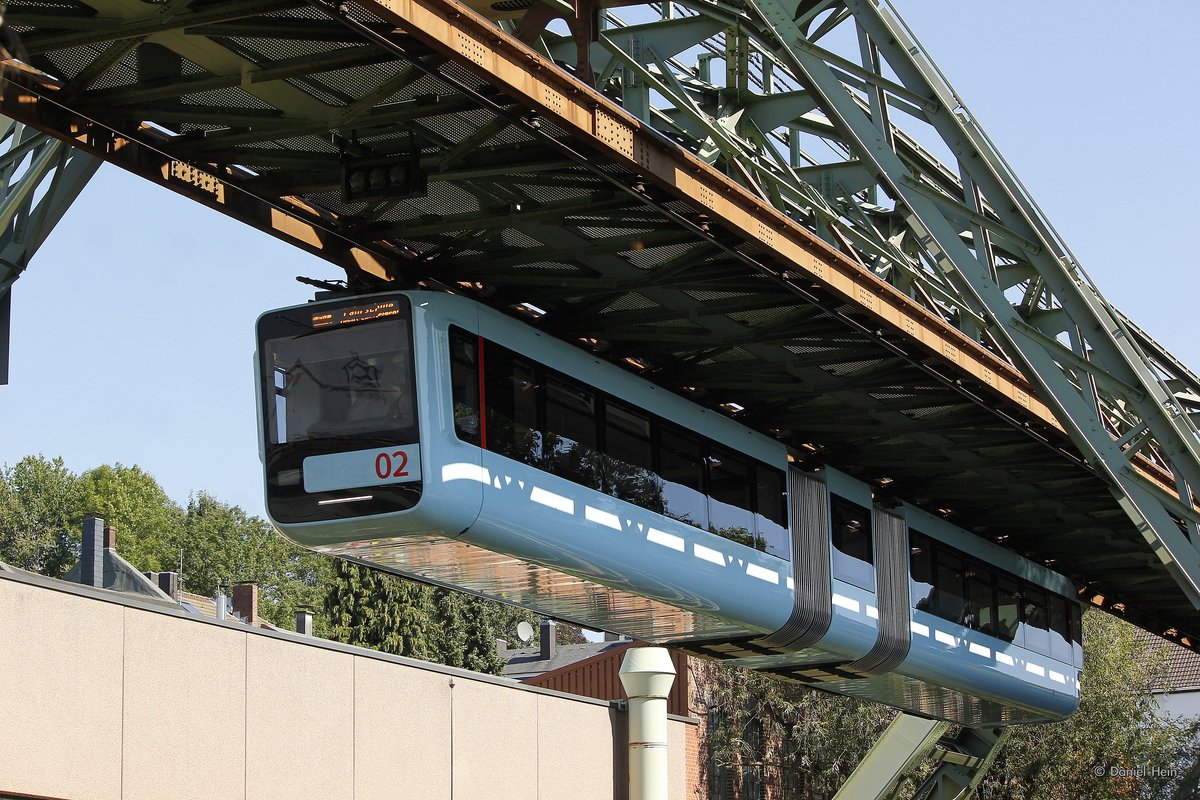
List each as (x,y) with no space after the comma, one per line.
(130,499)
(374,609)
(824,736)
(763,724)
(1117,726)
(42,504)
(221,544)
(369,608)
(39,515)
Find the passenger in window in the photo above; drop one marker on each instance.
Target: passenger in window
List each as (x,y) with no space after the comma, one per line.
(1008,599)
(970,617)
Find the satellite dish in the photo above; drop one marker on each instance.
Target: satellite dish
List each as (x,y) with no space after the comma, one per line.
(524,631)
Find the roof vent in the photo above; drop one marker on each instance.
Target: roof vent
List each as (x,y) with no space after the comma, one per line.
(546,640)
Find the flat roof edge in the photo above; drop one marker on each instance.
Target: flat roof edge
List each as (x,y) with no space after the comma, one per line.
(162,607)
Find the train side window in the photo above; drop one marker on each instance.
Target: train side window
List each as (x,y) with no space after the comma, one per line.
(464,385)
(1075,623)
(1008,609)
(853,548)
(980,613)
(920,571)
(681,467)
(1060,633)
(1034,618)
(510,393)
(569,439)
(950,602)
(729,513)
(771,518)
(629,458)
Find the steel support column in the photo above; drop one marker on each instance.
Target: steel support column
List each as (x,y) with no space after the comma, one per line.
(40,177)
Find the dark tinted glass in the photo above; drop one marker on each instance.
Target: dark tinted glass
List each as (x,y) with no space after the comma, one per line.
(1008,608)
(464,384)
(1035,618)
(535,415)
(510,393)
(950,601)
(771,519)
(353,381)
(920,561)
(1060,628)
(629,458)
(979,613)
(569,445)
(729,495)
(1073,620)
(681,467)
(853,548)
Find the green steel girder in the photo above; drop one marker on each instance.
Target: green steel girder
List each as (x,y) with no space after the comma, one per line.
(117,25)
(40,177)
(1110,350)
(247,106)
(964,237)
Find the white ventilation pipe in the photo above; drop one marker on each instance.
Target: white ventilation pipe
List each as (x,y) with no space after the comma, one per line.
(647,674)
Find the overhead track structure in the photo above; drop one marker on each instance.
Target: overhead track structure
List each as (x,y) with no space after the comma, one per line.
(780,210)
(40,176)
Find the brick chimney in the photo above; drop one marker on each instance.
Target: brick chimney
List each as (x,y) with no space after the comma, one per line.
(245,601)
(547,639)
(91,554)
(169,583)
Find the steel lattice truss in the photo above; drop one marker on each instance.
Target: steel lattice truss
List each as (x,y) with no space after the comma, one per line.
(782,211)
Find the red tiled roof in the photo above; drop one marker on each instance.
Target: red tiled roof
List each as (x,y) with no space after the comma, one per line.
(1183,665)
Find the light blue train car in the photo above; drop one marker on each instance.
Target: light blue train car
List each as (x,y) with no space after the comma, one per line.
(434,437)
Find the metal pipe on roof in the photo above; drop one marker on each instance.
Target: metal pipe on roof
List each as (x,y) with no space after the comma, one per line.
(647,674)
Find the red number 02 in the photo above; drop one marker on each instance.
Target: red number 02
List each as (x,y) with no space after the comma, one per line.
(383,465)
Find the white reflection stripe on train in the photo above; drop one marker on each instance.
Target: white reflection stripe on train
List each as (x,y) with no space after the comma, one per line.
(847,603)
(479,474)
(358,499)
(762,573)
(555,501)
(600,517)
(665,539)
(461,471)
(708,554)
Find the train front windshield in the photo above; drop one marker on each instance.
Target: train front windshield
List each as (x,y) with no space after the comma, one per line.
(339,410)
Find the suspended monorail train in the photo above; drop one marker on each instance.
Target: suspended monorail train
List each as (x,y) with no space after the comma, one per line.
(432,436)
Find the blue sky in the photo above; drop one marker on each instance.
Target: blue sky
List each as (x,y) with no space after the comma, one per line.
(133,327)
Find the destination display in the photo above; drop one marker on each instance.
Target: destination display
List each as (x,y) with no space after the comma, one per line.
(347,315)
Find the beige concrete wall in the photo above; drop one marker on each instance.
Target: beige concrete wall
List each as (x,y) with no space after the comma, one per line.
(112,698)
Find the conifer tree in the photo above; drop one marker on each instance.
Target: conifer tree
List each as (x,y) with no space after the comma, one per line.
(372,609)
